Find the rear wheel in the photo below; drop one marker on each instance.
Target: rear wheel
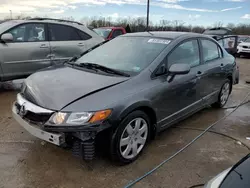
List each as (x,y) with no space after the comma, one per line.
(224,94)
(130,137)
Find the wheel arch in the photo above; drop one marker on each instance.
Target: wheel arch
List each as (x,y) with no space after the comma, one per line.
(145,107)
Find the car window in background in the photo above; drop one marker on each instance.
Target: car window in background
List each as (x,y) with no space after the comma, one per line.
(62,33)
(126,58)
(187,52)
(239,177)
(210,50)
(103,32)
(117,33)
(28,33)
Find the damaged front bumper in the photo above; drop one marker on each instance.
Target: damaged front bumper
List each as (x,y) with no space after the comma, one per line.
(54,138)
(81,139)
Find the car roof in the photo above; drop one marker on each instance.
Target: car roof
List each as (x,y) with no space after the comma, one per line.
(77,25)
(44,20)
(164,34)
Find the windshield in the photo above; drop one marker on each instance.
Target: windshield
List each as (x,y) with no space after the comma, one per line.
(5,25)
(240,39)
(239,175)
(103,32)
(128,54)
(248,40)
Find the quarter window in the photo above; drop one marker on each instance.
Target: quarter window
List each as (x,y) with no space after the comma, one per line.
(28,33)
(83,35)
(187,53)
(62,33)
(210,50)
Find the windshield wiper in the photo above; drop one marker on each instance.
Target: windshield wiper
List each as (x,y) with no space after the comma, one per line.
(102,68)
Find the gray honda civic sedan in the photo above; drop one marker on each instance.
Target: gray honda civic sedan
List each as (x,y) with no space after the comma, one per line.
(131,87)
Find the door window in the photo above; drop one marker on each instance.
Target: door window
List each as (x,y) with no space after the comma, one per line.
(187,53)
(117,33)
(28,33)
(228,42)
(210,50)
(62,33)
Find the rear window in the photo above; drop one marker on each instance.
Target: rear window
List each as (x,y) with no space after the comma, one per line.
(131,54)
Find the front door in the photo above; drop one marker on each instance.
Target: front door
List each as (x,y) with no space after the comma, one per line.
(180,96)
(229,43)
(28,52)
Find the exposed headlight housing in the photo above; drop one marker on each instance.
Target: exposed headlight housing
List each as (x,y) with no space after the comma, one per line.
(78,118)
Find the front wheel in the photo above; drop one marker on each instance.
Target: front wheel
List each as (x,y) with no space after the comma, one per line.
(130,137)
(224,94)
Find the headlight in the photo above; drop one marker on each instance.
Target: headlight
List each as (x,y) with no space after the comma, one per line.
(78,118)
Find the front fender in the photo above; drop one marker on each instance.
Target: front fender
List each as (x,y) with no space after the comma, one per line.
(124,110)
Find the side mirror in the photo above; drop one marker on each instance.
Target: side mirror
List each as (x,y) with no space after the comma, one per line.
(179,69)
(7,37)
(161,70)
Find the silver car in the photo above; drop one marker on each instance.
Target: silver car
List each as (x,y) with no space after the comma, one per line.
(29,45)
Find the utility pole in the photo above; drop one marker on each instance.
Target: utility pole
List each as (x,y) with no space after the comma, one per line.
(148,15)
(11,14)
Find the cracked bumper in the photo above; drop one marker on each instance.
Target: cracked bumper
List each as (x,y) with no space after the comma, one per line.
(54,138)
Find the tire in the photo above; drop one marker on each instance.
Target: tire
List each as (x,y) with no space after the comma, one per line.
(224,94)
(237,55)
(134,137)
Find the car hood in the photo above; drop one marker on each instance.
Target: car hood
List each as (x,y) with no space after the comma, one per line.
(55,88)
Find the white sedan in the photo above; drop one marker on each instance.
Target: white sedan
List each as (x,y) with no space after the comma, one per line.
(244,48)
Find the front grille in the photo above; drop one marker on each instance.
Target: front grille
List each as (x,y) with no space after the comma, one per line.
(245,46)
(37,118)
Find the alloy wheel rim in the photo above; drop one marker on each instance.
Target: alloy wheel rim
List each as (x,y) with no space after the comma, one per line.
(225,93)
(133,138)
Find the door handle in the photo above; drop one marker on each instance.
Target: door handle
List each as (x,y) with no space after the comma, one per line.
(221,65)
(80,44)
(44,46)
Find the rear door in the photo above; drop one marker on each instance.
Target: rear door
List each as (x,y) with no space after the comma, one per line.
(229,43)
(28,52)
(67,41)
(212,74)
